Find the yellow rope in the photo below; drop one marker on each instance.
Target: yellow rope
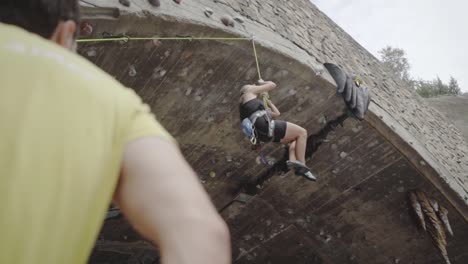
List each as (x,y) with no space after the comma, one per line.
(266,96)
(155,38)
(256,59)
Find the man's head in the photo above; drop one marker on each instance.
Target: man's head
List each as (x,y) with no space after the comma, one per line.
(56,20)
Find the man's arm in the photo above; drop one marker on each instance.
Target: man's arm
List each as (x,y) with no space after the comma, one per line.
(162,198)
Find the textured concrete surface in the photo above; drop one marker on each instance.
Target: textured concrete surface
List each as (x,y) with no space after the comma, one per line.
(455,108)
(358,211)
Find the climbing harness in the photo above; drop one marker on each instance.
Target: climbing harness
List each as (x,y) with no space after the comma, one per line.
(248,126)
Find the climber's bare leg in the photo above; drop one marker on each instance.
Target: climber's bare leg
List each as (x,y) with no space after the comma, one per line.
(298,135)
(292,151)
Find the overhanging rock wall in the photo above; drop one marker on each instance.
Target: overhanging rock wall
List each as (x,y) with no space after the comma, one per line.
(357,212)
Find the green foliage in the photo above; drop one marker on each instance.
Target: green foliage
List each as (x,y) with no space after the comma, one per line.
(395,61)
(436,87)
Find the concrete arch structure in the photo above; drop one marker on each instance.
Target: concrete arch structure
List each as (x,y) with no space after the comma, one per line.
(358,211)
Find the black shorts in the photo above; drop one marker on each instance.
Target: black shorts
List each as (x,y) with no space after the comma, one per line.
(261,126)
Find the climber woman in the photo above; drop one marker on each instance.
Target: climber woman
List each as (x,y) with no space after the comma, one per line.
(264,129)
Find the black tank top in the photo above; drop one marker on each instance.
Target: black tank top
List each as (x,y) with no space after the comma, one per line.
(248,108)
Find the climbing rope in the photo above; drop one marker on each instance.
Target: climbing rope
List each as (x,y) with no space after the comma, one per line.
(265,96)
(126,39)
(256,58)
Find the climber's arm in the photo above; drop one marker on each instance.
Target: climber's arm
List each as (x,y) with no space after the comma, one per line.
(263,87)
(273,109)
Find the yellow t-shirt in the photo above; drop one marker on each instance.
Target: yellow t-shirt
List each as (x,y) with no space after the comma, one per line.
(63,124)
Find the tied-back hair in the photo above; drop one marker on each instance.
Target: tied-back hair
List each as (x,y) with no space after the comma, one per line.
(39,16)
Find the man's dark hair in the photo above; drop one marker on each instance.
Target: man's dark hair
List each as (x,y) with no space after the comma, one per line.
(39,16)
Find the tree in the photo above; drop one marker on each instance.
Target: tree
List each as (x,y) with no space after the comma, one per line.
(437,87)
(453,87)
(394,59)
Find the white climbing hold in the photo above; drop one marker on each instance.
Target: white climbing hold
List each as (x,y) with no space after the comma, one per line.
(158,72)
(91,53)
(343,155)
(132,71)
(208,12)
(189,91)
(198,98)
(156,42)
(292,92)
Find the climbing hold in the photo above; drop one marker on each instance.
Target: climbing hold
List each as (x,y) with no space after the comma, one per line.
(239,19)
(212,174)
(292,92)
(227,21)
(189,91)
(85,29)
(91,53)
(125,2)
(158,72)
(132,71)
(178,1)
(198,98)
(343,155)
(155,3)
(156,42)
(208,12)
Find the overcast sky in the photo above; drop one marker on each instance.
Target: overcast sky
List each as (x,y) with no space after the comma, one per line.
(434,33)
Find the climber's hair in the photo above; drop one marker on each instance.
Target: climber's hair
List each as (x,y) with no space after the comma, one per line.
(39,16)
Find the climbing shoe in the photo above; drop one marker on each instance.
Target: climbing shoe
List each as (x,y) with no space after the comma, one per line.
(308,175)
(301,169)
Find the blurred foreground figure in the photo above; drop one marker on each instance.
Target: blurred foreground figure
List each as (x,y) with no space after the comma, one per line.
(72,139)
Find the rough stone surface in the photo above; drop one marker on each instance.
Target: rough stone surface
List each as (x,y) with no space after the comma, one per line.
(455,108)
